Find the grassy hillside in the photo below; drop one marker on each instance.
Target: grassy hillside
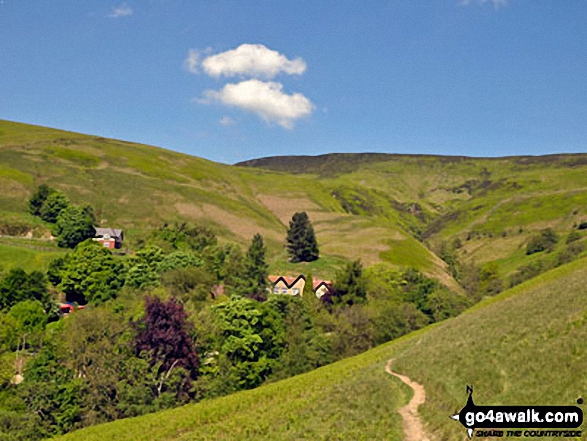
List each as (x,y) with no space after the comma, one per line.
(138,187)
(526,346)
(492,205)
(385,203)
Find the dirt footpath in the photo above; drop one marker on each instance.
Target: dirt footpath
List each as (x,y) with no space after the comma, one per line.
(413,429)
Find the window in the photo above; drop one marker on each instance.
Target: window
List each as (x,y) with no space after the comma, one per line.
(275,290)
(283,290)
(295,291)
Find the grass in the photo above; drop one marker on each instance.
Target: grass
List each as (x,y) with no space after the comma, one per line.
(26,256)
(323,268)
(525,346)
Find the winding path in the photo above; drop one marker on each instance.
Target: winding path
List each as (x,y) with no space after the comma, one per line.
(413,429)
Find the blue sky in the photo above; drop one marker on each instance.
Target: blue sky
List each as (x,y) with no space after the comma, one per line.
(234,80)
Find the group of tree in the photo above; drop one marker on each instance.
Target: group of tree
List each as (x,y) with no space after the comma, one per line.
(72,224)
(155,333)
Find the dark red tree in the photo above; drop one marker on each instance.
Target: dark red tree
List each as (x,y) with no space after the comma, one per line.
(163,333)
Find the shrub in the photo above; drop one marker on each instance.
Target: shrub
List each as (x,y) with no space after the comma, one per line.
(545,241)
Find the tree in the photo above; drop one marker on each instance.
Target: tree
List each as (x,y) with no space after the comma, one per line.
(38,199)
(74,225)
(143,269)
(302,245)
(234,271)
(55,203)
(162,334)
(91,274)
(252,340)
(184,236)
(189,284)
(30,320)
(256,267)
(350,287)
(18,286)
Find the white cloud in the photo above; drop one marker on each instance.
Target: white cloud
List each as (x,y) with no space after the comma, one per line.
(123,10)
(227,121)
(496,3)
(266,99)
(253,60)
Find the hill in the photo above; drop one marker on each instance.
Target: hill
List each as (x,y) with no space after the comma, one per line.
(138,187)
(491,207)
(400,208)
(525,346)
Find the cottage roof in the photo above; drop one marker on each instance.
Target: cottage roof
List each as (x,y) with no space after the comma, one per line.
(292,280)
(288,280)
(319,282)
(112,232)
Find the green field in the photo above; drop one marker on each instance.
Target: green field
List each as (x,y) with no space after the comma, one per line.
(525,346)
(28,255)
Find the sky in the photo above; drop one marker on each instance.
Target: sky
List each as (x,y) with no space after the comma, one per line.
(236,80)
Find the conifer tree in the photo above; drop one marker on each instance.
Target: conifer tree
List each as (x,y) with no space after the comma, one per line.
(301,240)
(350,287)
(256,266)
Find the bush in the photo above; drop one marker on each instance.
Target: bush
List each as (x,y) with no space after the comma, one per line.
(545,241)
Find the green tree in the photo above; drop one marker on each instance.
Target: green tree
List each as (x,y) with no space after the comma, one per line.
(91,274)
(350,286)
(74,225)
(38,199)
(184,236)
(143,268)
(301,240)
(256,267)
(234,272)
(30,320)
(50,391)
(251,340)
(189,284)
(18,286)
(56,202)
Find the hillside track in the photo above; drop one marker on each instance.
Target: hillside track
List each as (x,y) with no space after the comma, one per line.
(413,428)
